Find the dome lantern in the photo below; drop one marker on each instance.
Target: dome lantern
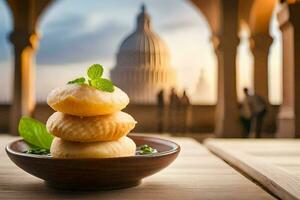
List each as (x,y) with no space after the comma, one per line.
(143,20)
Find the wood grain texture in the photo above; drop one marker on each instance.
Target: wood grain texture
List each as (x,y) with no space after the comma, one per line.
(274,163)
(195,174)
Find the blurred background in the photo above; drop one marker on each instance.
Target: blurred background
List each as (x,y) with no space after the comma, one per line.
(184,63)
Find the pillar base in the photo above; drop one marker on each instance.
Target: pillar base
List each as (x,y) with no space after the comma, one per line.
(286,124)
(229,131)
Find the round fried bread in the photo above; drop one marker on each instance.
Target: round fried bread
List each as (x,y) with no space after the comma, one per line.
(84,100)
(90,129)
(119,148)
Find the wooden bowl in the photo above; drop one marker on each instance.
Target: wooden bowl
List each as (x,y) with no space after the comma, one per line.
(95,174)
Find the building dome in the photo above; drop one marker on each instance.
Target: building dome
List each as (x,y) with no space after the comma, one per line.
(143,63)
(143,47)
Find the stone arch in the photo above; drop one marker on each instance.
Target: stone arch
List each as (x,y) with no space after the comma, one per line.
(205,20)
(262,34)
(257,20)
(209,9)
(207,79)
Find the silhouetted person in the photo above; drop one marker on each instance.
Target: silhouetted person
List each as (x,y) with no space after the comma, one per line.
(185,111)
(174,99)
(173,111)
(185,100)
(253,111)
(161,110)
(246,114)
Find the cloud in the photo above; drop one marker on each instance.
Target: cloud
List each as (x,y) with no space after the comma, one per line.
(58,47)
(68,24)
(180,17)
(181,24)
(5,50)
(70,39)
(5,30)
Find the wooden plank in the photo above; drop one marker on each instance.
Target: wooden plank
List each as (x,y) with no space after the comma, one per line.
(257,158)
(196,174)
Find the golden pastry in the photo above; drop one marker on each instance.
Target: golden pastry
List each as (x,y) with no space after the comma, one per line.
(90,129)
(84,100)
(119,148)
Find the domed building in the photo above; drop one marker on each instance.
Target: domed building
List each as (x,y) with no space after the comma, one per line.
(143,64)
(202,89)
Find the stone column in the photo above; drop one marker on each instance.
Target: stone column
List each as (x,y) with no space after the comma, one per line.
(25,45)
(225,43)
(289,115)
(227,113)
(25,41)
(260,45)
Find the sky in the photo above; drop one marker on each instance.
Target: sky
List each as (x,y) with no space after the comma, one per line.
(78,33)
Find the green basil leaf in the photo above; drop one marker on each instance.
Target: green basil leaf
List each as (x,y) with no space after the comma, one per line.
(35,133)
(95,71)
(102,84)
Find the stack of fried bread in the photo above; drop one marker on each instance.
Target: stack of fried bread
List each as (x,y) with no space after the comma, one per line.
(89,123)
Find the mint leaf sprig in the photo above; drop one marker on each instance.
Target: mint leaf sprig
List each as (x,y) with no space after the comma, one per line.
(78,81)
(38,151)
(95,79)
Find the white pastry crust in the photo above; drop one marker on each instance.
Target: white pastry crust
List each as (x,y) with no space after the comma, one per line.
(83,100)
(90,129)
(119,148)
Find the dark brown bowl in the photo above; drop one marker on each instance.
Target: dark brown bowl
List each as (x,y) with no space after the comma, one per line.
(95,174)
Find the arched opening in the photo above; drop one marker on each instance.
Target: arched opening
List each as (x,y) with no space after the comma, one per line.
(91,33)
(189,38)
(85,35)
(6,55)
(275,61)
(244,64)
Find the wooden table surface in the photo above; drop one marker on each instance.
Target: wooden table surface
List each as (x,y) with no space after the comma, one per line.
(274,163)
(196,174)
